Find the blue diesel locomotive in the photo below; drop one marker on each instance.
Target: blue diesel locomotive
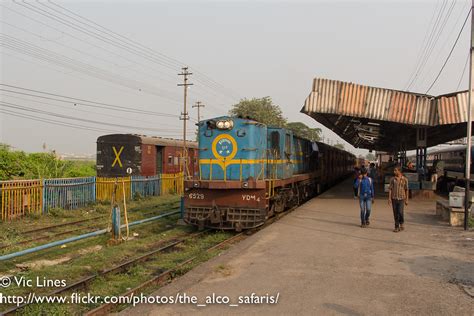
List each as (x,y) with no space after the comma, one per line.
(248,172)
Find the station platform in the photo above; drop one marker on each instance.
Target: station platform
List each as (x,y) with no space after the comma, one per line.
(320,262)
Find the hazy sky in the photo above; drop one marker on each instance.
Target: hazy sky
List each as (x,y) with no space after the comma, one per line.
(249,49)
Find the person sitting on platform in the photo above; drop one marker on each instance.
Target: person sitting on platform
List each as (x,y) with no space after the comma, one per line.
(398,198)
(365,189)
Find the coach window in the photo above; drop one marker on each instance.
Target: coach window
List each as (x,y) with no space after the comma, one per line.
(170,160)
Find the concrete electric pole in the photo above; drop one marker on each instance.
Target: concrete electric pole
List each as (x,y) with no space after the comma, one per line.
(199,105)
(469,125)
(184,115)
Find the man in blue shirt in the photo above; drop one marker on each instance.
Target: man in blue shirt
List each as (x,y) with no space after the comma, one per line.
(365,187)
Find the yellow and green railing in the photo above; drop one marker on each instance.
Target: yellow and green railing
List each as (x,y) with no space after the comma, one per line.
(24,197)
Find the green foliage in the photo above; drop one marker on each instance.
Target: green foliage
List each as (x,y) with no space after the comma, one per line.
(81,169)
(340,146)
(265,111)
(20,165)
(259,109)
(304,131)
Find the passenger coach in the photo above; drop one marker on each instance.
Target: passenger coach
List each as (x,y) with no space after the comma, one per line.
(145,155)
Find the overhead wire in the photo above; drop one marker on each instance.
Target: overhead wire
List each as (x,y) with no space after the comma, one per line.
(141,46)
(32,50)
(101,123)
(85,102)
(463,71)
(441,50)
(124,43)
(426,49)
(450,53)
(62,21)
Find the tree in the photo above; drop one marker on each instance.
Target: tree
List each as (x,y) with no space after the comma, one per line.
(370,157)
(304,131)
(259,109)
(16,164)
(339,145)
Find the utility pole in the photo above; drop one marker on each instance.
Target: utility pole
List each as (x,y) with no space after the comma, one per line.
(184,115)
(469,125)
(199,105)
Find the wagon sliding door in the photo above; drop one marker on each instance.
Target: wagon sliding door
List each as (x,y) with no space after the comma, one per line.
(159,160)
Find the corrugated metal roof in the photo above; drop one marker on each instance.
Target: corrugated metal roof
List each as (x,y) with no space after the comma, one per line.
(355,100)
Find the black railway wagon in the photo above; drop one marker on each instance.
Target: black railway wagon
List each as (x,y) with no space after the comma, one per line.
(145,155)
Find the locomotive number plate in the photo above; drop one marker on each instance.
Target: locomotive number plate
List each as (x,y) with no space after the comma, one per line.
(196,196)
(248,197)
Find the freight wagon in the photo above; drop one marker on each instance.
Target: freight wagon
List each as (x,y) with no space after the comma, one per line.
(145,155)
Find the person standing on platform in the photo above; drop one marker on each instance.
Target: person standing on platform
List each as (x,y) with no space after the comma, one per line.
(356,176)
(365,188)
(398,198)
(373,172)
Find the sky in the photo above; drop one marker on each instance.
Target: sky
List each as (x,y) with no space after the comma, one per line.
(235,49)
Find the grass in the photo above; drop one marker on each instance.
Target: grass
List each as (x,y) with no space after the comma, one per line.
(146,207)
(119,283)
(77,260)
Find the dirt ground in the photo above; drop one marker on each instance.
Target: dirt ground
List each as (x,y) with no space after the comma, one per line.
(319,261)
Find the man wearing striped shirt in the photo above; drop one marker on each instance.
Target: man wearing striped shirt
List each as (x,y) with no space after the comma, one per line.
(398,198)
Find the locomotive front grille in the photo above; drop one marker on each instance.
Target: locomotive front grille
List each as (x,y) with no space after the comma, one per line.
(224,218)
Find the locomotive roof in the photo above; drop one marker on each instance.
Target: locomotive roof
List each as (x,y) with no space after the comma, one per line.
(152,140)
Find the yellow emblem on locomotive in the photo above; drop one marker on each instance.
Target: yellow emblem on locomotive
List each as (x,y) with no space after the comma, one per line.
(224,147)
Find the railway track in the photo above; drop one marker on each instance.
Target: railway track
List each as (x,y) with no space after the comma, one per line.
(167,275)
(157,280)
(79,222)
(124,266)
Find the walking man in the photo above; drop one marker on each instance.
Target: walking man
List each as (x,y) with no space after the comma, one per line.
(365,189)
(398,198)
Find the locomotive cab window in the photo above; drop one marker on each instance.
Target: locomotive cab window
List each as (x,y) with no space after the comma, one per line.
(170,160)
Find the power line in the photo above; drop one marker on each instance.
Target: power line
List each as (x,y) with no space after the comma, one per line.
(440,51)
(429,45)
(162,59)
(29,109)
(66,62)
(84,102)
(211,91)
(171,60)
(144,53)
(422,47)
(82,40)
(55,122)
(75,108)
(449,55)
(463,71)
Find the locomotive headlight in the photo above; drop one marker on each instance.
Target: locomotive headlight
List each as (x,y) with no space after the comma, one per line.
(225,124)
(220,124)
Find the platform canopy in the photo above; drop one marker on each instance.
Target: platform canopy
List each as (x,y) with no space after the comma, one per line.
(385,119)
